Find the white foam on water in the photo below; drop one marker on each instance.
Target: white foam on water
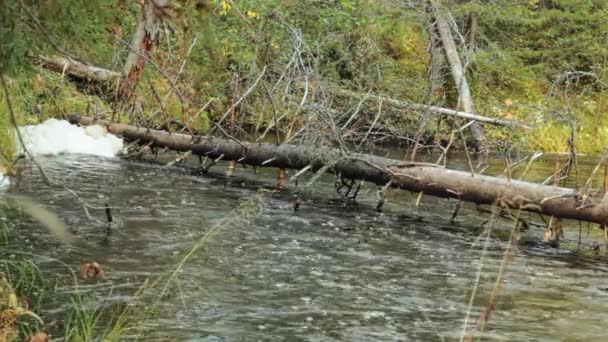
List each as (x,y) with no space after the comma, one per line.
(54,137)
(4,181)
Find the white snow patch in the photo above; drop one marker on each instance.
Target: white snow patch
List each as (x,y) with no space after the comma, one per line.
(54,137)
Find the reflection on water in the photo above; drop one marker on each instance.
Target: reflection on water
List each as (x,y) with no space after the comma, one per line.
(326,272)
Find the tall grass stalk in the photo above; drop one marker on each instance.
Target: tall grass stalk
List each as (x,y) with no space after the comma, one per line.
(468,335)
(487,231)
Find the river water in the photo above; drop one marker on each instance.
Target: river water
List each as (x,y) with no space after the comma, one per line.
(331,271)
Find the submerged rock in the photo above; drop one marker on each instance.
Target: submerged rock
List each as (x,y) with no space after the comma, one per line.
(55,137)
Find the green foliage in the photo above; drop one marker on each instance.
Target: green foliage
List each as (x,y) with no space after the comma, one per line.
(523,49)
(550,38)
(32,27)
(37,97)
(21,288)
(7,138)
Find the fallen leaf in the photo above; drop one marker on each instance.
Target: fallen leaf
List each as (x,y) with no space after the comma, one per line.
(91,270)
(548,235)
(39,337)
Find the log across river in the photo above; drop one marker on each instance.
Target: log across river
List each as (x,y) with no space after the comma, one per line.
(417,177)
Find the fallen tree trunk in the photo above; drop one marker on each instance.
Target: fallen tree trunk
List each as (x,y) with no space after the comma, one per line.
(78,70)
(145,39)
(418,177)
(458,73)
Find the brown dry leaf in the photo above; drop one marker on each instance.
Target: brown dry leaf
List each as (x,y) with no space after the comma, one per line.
(508,102)
(39,81)
(548,235)
(39,337)
(282,180)
(7,334)
(91,270)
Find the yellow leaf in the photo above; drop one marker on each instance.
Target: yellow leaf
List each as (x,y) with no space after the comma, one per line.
(225,7)
(252,14)
(13,302)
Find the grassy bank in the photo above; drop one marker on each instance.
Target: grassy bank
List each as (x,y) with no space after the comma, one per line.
(539,62)
(35,304)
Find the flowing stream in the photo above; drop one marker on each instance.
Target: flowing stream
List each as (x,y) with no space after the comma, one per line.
(331,271)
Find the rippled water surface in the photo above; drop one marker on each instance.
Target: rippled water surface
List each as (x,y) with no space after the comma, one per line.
(328,272)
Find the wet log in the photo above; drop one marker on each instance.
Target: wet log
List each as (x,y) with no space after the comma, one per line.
(289,156)
(417,177)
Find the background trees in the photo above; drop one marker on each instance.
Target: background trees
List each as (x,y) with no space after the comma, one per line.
(540,62)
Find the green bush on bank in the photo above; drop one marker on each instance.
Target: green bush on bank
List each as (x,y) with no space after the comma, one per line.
(517,66)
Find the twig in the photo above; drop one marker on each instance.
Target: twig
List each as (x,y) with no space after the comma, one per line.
(356,110)
(234,105)
(205,168)
(181,68)
(299,173)
(162,107)
(466,151)
(269,161)
(491,306)
(535,156)
(373,124)
(320,172)
(274,115)
(19,136)
(484,251)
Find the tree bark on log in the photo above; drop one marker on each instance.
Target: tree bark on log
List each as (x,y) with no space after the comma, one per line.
(418,177)
(78,70)
(458,73)
(153,13)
